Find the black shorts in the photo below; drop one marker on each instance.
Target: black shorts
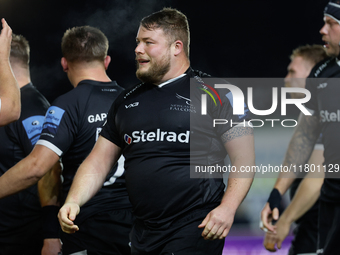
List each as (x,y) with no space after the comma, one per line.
(183,237)
(27,240)
(105,233)
(306,234)
(329,228)
(21,249)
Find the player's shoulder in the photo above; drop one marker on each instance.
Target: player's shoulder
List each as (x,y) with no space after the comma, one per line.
(32,101)
(198,73)
(29,91)
(133,91)
(320,68)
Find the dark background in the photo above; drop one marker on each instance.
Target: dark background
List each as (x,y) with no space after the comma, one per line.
(228,38)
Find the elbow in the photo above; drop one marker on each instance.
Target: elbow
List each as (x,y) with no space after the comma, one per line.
(37,170)
(14,115)
(15,111)
(7,117)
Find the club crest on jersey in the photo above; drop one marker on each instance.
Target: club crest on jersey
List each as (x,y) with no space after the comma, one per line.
(187,107)
(187,100)
(127,139)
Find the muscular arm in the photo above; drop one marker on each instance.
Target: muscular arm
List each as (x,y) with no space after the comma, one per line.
(9,88)
(28,171)
(88,180)
(239,143)
(49,186)
(299,150)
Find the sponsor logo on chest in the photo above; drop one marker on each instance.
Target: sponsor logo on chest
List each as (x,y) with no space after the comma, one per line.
(157,136)
(131,105)
(327,116)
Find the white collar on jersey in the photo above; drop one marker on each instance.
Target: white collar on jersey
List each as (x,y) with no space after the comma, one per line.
(337,61)
(171,80)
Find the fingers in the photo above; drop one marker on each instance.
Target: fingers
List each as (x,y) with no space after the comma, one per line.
(224,234)
(216,232)
(210,231)
(275,213)
(266,218)
(265,215)
(66,216)
(205,221)
(215,228)
(269,242)
(263,227)
(5,41)
(6,30)
(270,247)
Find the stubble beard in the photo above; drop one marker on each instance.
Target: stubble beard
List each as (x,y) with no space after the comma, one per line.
(156,71)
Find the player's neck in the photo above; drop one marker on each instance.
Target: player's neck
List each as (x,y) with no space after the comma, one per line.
(176,70)
(22,75)
(95,74)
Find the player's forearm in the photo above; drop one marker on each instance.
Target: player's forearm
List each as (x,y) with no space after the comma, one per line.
(239,143)
(305,197)
(236,192)
(302,143)
(92,172)
(283,183)
(28,171)
(299,150)
(9,94)
(86,183)
(49,187)
(19,177)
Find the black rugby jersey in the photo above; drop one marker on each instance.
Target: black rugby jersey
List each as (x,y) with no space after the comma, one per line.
(71,128)
(154,126)
(20,214)
(326,104)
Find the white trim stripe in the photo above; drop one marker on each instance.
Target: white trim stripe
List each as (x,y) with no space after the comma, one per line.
(171,80)
(319,146)
(334,4)
(332,18)
(84,252)
(51,146)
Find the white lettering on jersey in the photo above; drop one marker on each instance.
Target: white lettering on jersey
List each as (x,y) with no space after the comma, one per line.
(98,132)
(322,85)
(159,136)
(330,116)
(97,117)
(132,105)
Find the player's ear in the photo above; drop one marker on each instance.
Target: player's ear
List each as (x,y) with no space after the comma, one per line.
(107,61)
(64,64)
(178,47)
